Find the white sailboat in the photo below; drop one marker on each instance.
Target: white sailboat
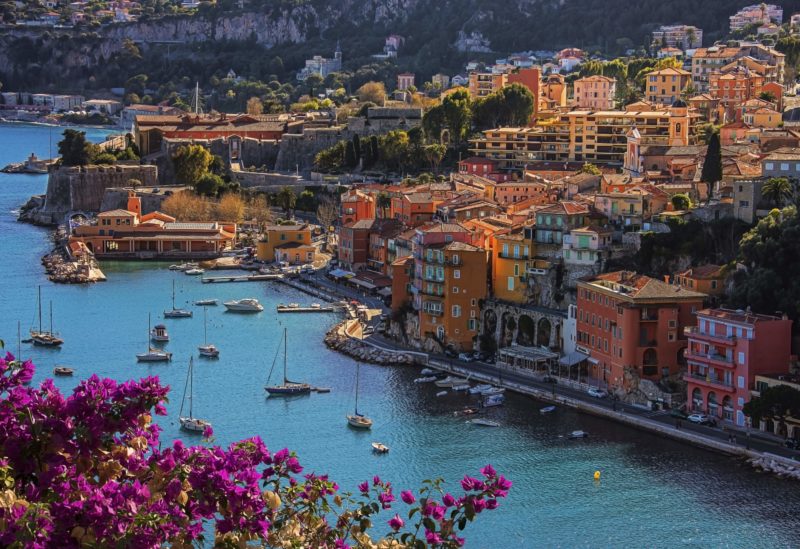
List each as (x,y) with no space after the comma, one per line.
(207,349)
(358,420)
(288,388)
(44,338)
(176,313)
(191,423)
(152,354)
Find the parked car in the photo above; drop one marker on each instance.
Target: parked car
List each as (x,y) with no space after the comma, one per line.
(678,413)
(465,357)
(450,352)
(597,393)
(550,379)
(700,419)
(368,330)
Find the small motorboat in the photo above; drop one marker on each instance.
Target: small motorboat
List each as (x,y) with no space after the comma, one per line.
(450,381)
(159,334)
(428,372)
(466,412)
(380,448)
(546,409)
(479,389)
(577,434)
(493,400)
(206,302)
(176,267)
(483,422)
(63,371)
(493,391)
(293,305)
(194,272)
(322,389)
(316,306)
(247,305)
(461,387)
(426,379)
(441,393)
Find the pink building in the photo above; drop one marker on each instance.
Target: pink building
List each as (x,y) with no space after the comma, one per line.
(726,350)
(595,92)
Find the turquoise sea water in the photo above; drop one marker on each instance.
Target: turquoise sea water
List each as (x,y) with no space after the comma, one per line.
(653,492)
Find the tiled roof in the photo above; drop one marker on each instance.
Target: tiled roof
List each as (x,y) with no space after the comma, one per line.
(461,247)
(703,272)
(566,207)
(639,286)
(744,317)
(178,226)
(116,213)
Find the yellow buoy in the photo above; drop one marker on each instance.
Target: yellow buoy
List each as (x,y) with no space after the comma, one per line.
(597,475)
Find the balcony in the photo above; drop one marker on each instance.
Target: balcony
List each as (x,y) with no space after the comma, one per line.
(709,358)
(649,316)
(713,383)
(693,332)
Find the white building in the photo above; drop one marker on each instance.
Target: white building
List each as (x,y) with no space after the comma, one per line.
(685,37)
(322,65)
(756,14)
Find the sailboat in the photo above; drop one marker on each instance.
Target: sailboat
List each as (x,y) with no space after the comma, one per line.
(207,349)
(191,423)
(152,354)
(41,337)
(288,388)
(359,421)
(176,313)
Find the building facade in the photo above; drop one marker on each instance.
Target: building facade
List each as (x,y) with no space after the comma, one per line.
(595,92)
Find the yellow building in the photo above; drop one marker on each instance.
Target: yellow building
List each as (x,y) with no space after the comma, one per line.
(290,243)
(763,118)
(587,136)
(511,252)
(482,84)
(664,87)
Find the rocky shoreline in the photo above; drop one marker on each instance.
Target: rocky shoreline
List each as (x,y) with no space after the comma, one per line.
(773,466)
(336,339)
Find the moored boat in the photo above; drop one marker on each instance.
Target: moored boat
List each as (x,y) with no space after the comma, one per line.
(478,389)
(461,387)
(546,409)
(191,423)
(441,393)
(246,305)
(41,337)
(358,420)
(159,333)
(427,379)
(483,422)
(380,448)
(206,302)
(493,391)
(577,434)
(194,272)
(63,371)
(175,312)
(427,372)
(207,349)
(493,400)
(152,354)
(288,388)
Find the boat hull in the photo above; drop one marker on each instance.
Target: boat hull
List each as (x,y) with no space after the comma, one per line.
(194,425)
(209,352)
(149,357)
(177,314)
(359,422)
(288,390)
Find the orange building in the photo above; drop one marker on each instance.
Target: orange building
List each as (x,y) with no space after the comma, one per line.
(664,87)
(415,209)
(708,279)
(357,205)
(450,278)
(402,273)
(510,252)
(631,324)
(127,234)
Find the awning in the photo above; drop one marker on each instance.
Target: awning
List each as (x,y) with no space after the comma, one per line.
(341,273)
(385,292)
(363,283)
(593,360)
(573,358)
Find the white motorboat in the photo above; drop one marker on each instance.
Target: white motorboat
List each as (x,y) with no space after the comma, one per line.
(175,312)
(461,387)
(152,354)
(358,420)
(483,422)
(450,381)
(175,267)
(428,372)
(159,334)
(380,448)
(427,379)
(441,393)
(479,389)
(247,305)
(577,434)
(493,391)
(466,412)
(194,272)
(546,409)
(191,423)
(63,371)
(206,302)
(316,306)
(493,400)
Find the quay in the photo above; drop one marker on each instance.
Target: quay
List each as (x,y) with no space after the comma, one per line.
(244,278)
(288,309)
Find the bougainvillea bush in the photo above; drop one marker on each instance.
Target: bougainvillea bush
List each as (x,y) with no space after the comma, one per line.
(89,470)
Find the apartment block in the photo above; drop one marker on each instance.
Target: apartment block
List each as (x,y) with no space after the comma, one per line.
(665,87)
(595,93)
(685,37)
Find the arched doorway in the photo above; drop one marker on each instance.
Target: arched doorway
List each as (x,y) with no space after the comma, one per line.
(713,406)
(526,332)
(440,333)
(727,408)
(697,399)
(543,332)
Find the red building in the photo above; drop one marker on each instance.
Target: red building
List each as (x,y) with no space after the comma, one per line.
(632,325)
(483,167)
(726,350)
(357,205)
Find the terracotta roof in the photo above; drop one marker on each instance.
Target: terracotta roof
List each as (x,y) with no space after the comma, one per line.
(117,213)
(743,317)
(670,71)
(461,247)
(704,272)
(442,228)
(639,286)
(566,207)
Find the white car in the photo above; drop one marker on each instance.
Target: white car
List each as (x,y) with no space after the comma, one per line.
(466,357)
(700,419)
(597,393)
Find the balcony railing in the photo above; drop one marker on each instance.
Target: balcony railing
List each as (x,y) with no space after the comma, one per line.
(716,382)
(694,332)
(709,358)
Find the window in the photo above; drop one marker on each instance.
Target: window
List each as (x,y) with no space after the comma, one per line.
(472,324)
(769,166)
(283,236)
(516,269)
(455,289)
(741,357)
(455,311)
(455,259)
(473,301)
(740,382)
(672,323)
(505,249)
(510,283)
(671,336)
(456,274)
(784,167)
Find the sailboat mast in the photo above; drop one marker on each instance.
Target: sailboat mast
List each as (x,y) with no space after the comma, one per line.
(191,386)
(51,317)
(39,301)
(285,380)
(358,368)
(173,295)
(205,327)
(148,331)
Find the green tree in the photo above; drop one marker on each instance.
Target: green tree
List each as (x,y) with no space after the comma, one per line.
(286,199)
(374,149)
(681,201)
(330,159)
(384,203)
(209,184)
(104,158)
(357,147)
(458,115)
(767,96)
(395,149)
(74,149)
(777,190)
(350,159)
(306,202)
(776,403)
(433,122)
(590,168)
(712,164)
(434,154)
(190,163)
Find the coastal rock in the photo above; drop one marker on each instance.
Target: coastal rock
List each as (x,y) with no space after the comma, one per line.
(336,340)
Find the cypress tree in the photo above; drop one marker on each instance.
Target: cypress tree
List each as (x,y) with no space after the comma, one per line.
(712,165)
(350,155)
(357,147)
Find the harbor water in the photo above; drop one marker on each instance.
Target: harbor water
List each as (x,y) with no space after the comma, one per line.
(653,492)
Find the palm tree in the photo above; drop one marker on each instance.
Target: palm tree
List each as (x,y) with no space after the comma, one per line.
(384,203)
(777,190)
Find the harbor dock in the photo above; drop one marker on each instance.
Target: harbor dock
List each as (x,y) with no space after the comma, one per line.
(289,309)
(243,278)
